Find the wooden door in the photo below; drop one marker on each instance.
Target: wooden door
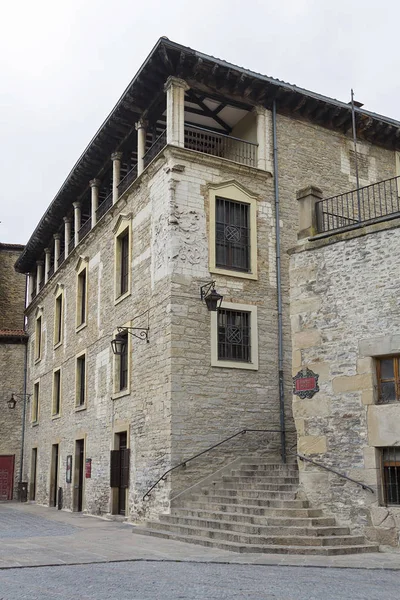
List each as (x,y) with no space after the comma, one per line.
(6,477)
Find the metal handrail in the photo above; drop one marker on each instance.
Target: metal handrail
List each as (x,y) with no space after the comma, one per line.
(183,463)
(219,134)
(342,475)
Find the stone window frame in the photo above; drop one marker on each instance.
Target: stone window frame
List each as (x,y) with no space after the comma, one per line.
(118,393)
(38,347)
(230,364)
(122,227)
(56,415)
(35,408)
(231,190)
(79,356)
(82,265)
(59,293)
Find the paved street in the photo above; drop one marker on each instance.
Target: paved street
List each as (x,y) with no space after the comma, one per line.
(44,552)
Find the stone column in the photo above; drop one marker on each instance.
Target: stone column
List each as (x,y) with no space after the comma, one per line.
(57,248)
(94,200)
(116,159)
(264,148)
(31,288)
(47,257)
(77,220)
(141,144)
(308,222)
(175,89)
(39,274)
(67,234)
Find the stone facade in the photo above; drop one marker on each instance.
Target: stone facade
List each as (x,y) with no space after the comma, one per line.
(12,355)
(345,313)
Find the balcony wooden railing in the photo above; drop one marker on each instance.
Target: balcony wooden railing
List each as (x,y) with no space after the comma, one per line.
(218,144)
(376,201)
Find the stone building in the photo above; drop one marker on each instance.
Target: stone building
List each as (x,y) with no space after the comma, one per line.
(179,188)
(12,367)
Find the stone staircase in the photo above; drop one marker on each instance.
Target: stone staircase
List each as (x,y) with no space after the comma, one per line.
(255,508)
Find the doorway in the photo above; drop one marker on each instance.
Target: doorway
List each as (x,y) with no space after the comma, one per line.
(6,476)
(32,487)
(120,474)
(54,475)
(79,473)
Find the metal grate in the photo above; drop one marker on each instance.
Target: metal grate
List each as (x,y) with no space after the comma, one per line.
(104,206)
(50,272)
(127,180)
(218,144)
(375,201)
(155,148)
(232,235)
(391,474)
(234,335)
(71,244)
(61,258)
(84,230)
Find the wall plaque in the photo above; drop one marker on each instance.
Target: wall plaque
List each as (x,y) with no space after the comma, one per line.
(88,468)
(305,383)
(68,474)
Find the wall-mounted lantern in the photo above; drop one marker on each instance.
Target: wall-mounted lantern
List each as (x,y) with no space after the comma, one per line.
(11,403)
(210,296)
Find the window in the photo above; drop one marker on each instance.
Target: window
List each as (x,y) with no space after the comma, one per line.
(391,475)
(81,381)
(58,319)
(56,393)
(38,338)
(234,336)
(388,375)
(82,297)
(35,403)
(233,231)
(123,366)
(232,235)
(122,231)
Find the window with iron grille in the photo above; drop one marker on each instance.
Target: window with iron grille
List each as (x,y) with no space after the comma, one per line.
(56,392)
(82,291)
(234,335)
(123,242)
(391,475)
(81,380)
(232,235)
(388,376)
(123,365)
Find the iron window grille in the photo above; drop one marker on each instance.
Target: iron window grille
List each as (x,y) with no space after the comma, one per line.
(234,335)
(81,372)
(123,365)
(232,235)
(57,393)
(388,376)
(124,262)
(391,475)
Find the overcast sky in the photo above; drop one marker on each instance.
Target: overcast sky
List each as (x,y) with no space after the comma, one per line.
(63,66)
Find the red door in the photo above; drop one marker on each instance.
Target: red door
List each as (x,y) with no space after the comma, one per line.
(6,477)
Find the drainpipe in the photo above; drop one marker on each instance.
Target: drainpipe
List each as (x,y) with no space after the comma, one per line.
(24,406)
(279,290)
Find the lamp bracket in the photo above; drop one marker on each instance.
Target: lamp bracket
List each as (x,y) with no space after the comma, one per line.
(205,289)
(142,333)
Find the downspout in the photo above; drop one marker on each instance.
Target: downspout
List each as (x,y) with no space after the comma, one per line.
(279,290)
(24,405)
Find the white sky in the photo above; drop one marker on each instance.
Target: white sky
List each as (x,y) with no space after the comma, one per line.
(63,66)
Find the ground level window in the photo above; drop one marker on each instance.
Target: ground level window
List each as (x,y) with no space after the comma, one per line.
(234,335)
(388,375)
(391,475)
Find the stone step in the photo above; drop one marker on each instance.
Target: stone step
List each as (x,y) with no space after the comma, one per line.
(253,509)
(253,548)
(250,483)
(250,518)
(259,530)
(272,468)
(246,499)
(250,492)
(263,478)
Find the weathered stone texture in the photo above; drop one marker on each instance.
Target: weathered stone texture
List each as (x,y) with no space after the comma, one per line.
(352,300)
(12,289)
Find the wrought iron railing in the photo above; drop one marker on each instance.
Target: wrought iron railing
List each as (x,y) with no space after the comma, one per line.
(61,258)
(50,272)
(127,180)
(41,284)
(104,206)
(376,201)
(84,230)
(218,144)
(71,244)
(155,148)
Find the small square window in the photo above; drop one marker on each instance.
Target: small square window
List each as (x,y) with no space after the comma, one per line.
(391,475)
(388,376)
(234,342)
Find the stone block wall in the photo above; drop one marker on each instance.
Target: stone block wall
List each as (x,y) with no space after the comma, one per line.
(345,313)
(12,288)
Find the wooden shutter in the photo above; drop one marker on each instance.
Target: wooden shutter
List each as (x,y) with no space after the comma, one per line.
(124,467)
(115,468)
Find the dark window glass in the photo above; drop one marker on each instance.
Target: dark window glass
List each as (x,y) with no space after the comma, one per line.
(388,374)
(232,235)
(58,324)
(124,274)
(35,407)
(123,366)
(81,368)
(234,335)
(391,475)
(57,392)
(82,297)
(39,337)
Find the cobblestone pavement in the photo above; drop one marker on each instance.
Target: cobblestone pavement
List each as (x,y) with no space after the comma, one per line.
(173,581)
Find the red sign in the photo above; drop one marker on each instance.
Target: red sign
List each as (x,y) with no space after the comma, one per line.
(88,468)
(305,384)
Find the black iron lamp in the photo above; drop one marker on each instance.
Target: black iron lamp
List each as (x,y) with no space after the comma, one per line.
(210,296)
(11,403)
(118,344)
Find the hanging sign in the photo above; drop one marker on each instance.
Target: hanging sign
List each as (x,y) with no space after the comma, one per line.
(305,383)
(68,474)
(88,468)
